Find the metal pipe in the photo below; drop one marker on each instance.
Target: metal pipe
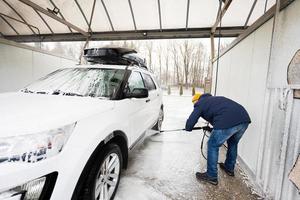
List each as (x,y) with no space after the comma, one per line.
(45,22)
(132,14)
(108,16)
(85,19)
(92,15)
(263,137)
(61,15)
(267,149)
(21,17)
(250,13)
(9,25)
(2,14)
(187,14)
(284,143)
(159,13)
(53,16)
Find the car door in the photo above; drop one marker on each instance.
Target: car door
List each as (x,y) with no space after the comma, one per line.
(137,107)
(153,105)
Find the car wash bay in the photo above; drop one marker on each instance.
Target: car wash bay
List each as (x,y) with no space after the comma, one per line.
(164,166)
(260,69)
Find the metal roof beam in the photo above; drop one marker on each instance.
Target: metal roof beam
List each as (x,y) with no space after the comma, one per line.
(133,35)
(85,18)
(250,13)
(61,15)
(92,15)
(20,21)
(42,10)
(220,15)
(187,14)
(42,18)
(22,18)
(159,13)
(11,26)
(108,16)
(132,14)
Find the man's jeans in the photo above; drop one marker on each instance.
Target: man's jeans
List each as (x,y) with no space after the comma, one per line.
(217,138)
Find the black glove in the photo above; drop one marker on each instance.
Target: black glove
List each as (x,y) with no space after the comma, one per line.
(207,128)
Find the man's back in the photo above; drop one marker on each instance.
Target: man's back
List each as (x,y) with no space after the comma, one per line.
(219,111)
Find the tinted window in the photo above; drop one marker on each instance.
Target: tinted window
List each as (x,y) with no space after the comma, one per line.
(150,85)
(135,81)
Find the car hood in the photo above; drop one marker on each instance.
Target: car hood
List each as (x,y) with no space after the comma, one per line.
(23,113)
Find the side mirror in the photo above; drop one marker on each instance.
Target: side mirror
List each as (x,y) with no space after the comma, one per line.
(138,93)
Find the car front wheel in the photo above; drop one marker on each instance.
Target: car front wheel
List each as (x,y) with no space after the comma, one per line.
(104,176)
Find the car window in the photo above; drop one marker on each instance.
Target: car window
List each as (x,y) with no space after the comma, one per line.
(135,81)
(150,85)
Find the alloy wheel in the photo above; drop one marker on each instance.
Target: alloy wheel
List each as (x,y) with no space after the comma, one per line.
(107,177)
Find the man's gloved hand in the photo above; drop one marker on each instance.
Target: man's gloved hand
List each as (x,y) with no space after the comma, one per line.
(207,128)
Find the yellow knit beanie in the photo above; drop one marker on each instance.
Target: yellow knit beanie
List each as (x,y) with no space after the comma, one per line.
(196,97)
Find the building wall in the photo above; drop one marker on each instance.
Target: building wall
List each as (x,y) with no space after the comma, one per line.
(268,149)
(20,65)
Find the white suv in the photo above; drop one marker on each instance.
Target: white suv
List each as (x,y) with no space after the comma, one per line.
(67,136)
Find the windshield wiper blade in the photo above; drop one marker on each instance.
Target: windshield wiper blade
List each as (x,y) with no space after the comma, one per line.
(26,90)
(72,94)
(57,92)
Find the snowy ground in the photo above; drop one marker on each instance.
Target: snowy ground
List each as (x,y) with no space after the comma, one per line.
(164,166)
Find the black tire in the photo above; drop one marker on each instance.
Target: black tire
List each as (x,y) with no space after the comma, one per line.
(157,126)
(88,190)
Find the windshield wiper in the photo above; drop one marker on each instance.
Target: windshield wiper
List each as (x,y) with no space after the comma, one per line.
(57,92)
(26,90)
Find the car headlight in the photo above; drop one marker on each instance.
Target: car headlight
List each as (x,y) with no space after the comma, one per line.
(35,147)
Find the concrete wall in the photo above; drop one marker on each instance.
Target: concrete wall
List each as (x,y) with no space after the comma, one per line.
(20,65)
(268,149)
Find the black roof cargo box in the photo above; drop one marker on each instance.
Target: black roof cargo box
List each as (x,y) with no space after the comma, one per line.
(113,56)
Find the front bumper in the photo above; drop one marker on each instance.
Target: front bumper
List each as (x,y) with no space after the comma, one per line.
(40,188)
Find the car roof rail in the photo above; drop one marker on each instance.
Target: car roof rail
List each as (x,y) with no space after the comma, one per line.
(113,56)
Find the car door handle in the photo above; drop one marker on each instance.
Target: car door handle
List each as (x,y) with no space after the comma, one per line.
(147,100)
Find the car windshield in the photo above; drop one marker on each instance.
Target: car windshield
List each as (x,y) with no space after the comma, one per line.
(93,82)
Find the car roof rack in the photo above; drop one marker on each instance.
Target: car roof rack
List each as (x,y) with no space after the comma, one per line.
(113,56)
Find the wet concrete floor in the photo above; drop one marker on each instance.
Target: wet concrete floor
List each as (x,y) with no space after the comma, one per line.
(164,166)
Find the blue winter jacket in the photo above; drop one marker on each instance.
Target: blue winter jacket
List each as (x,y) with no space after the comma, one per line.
(221,112)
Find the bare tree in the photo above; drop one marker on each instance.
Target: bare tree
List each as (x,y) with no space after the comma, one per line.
(149,48)
(167,65)
(159,52)
(186,50)
(176,62)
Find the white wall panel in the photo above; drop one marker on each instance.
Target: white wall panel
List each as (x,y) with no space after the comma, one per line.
(19,66)
(269,147)
(242,77)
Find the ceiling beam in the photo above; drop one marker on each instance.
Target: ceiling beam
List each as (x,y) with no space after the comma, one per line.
(159,14)
(250,13)
(53,16)
(22,18)
(108,16)
(187,14)
(132,35)
(132,14)
(20,21)
(45,22)
(61,15)
(92,15)
(84,16)
(220,15)
(11,26)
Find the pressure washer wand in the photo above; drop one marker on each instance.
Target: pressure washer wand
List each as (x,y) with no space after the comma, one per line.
(183,129)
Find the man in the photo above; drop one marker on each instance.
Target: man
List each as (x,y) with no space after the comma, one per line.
(229,120)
